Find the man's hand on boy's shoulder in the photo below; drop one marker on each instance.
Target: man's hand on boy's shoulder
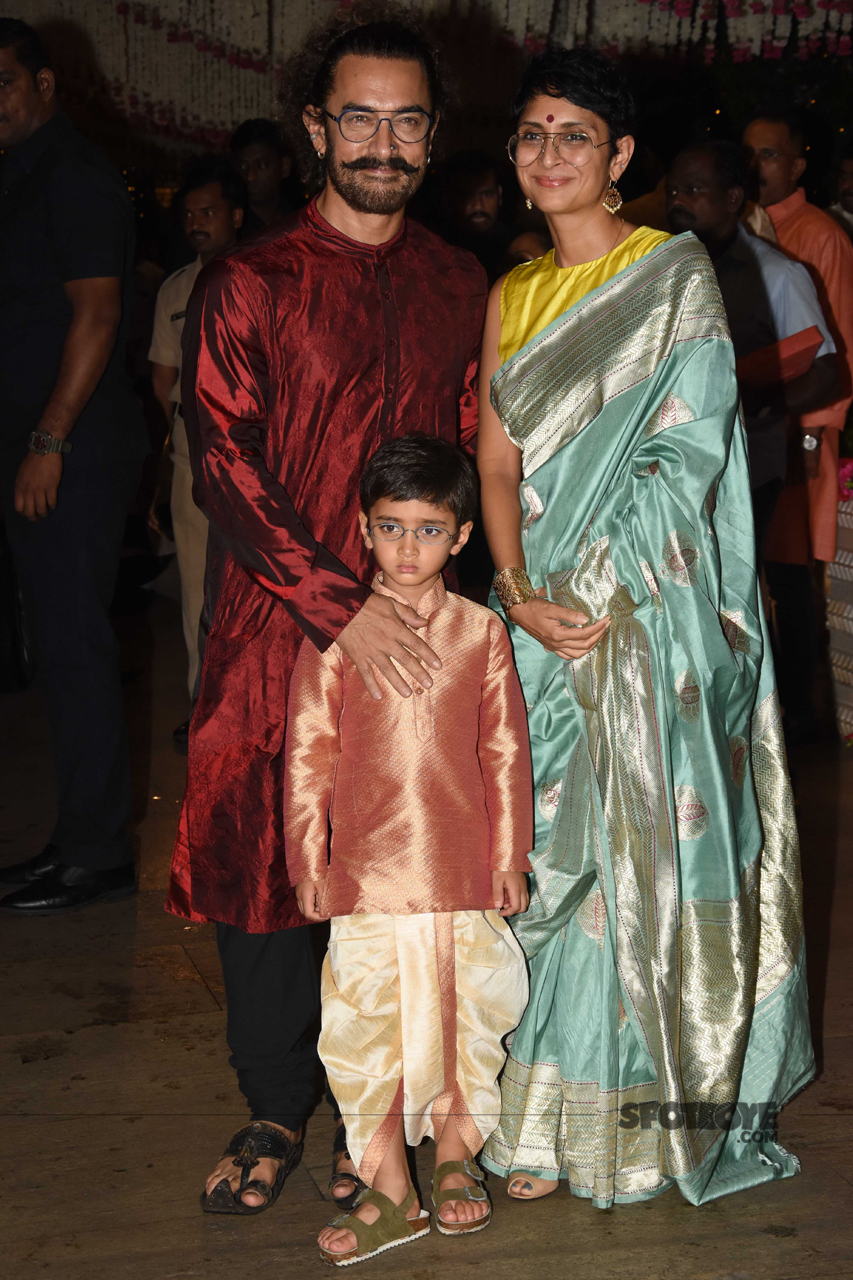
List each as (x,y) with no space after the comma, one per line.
(308,900)
(509,892)
(380,631)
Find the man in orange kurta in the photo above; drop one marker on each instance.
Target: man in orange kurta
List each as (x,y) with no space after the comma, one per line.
(804,525)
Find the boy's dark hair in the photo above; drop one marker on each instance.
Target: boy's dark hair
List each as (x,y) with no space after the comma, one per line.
(582,76)
(206,170)
(26,44)
(260,130)
(425,468)
(381,29)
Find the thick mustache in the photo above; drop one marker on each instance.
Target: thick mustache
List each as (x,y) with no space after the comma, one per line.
(375,162)
(678,211)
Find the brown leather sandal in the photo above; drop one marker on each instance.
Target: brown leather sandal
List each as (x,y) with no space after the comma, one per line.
(257,1141)
(339,1148)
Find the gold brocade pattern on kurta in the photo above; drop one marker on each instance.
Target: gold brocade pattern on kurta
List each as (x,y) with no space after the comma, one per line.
(426,795)
(415,1009)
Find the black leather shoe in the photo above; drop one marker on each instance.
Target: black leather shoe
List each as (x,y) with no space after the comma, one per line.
(182,733)
(43,864)
(69,889)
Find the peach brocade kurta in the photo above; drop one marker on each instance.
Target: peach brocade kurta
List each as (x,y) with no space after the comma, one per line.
(426,795)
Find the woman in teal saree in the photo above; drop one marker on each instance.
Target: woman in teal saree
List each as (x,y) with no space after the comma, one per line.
(667,1022)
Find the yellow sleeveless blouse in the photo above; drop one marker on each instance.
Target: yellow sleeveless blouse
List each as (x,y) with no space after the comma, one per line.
(536,293)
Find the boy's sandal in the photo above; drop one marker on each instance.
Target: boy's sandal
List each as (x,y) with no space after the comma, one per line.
(339,1148)
(391,1228)
(257,1141)
(477,1195)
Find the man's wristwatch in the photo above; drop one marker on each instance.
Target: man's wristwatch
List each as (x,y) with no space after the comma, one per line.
(42,442)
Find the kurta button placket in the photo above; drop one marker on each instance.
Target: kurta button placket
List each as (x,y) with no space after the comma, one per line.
(391,333)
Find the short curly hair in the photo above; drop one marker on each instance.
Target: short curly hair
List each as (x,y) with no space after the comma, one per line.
(367,29)
(582,76)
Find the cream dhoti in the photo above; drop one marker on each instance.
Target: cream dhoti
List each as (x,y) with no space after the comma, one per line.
(415,1011)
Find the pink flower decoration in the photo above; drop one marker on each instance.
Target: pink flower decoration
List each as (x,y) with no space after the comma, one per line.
(800,11)
(844,6)
(831,41)
(779,8)
(733,8)
(844,47)
(758,7)
(826,4)
(683,8)
(708,54)
(535,44)
(845,480)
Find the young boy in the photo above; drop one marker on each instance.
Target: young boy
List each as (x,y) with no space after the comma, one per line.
(429,802)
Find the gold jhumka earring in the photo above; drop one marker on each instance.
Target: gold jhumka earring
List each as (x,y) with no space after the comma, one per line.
(612,198)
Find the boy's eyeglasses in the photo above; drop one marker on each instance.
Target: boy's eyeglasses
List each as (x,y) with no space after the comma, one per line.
(431,535)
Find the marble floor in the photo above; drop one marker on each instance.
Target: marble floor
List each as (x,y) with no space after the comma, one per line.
(117,1096)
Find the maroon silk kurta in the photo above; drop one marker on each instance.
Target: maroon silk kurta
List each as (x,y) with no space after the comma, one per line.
(303,351)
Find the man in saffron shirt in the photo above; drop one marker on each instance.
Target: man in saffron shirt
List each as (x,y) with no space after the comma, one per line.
(341,327)
(804,524)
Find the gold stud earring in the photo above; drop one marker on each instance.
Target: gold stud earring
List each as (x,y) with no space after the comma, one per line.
(529,203)
(612,198)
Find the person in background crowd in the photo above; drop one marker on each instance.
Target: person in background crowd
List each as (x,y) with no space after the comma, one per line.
(842,210)
(804,524)
(767,298)
(470,197)
(264,161)
(72,441)
(304,349)
(211,202)
(526,247)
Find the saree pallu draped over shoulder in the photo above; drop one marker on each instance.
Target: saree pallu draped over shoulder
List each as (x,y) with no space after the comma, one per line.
(667,1023)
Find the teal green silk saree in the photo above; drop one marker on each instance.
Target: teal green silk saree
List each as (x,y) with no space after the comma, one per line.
(668,1020)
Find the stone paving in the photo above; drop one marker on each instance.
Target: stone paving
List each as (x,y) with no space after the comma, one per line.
(117,1095)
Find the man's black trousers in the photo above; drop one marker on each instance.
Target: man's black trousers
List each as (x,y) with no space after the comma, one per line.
(66,564)
(272,984)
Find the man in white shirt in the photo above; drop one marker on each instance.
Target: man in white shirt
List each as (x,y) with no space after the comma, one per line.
(211,202)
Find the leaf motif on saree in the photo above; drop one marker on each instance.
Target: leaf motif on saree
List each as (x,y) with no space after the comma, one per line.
(691,815)
(688,701)
(735,631)
(680,559)
(592,916)
(549,798)
(672,413)
(535,505)
(739,752)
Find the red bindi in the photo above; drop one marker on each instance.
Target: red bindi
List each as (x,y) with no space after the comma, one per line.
(549,119)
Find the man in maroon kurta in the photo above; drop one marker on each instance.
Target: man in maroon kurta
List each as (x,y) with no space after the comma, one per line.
(304,349)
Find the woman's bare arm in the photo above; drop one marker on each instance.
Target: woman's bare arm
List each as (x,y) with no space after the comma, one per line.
(561,631)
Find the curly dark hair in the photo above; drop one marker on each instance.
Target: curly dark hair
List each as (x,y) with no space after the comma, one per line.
(378,30)
(582,76)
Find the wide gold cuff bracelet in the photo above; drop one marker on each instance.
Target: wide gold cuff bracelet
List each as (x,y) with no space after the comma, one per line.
(513,586)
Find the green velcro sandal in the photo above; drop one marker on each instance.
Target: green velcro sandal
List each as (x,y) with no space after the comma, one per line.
(477,1195)
(391,1228)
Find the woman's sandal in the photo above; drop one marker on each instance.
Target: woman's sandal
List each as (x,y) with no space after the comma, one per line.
(339,1148)
(257,1141)
(391,1228)
(526,1177)
(477,1195)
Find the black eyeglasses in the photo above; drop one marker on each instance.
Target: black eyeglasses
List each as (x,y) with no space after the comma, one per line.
(361,126)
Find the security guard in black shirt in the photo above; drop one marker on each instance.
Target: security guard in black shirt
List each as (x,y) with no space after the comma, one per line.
(72,441)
